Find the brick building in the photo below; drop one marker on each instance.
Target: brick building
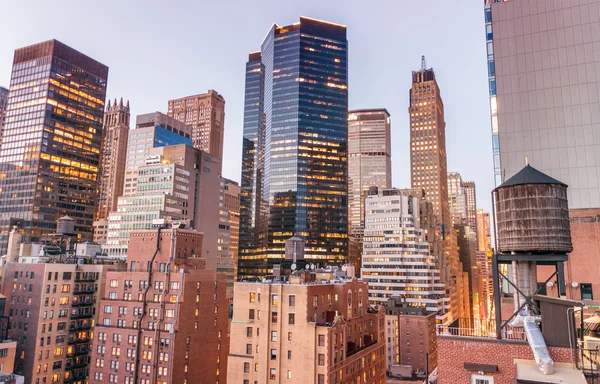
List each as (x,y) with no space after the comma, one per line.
(313,328)
(164,320)
(410,335)
(52,308)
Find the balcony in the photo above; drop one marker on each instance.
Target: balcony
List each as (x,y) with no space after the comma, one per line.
(466,327)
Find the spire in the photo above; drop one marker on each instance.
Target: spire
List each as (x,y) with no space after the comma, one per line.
(423,63)
(121,103)
(127,104)
(108,107)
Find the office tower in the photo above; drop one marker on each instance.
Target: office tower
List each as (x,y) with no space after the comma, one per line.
(406,329)
(369,164)
(50,152)
(471,205)
(428,141)
(165,319)
(484,239)
(544,106)
(231,198)
(397,261)
(113,157)
(153,130)
(176,182)
(3,103)
(457,196)
(52,308)
(205,114)
(314,328)
(225,256)
(294,156)
(467,253)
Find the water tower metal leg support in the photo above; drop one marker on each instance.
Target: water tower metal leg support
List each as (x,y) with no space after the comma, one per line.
(497,292)
(560,276)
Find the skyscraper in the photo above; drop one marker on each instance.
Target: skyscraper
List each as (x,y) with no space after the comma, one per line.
(231,199)
(428,141)
(483,228)
(50,155)
(369,165)
(429,171)
(471,205)
(294,158)
(205,114)
(3,103)
(113,157)
(543,86)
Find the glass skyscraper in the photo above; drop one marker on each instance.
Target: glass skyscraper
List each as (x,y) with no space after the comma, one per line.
(294,161)
(50,151)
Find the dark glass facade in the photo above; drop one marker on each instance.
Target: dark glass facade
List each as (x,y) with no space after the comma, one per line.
(51,141)
(294,161)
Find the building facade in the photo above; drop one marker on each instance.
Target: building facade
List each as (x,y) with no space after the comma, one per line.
(457,196)
(231,195)
(165,319)
(294,156)
(553,117)
(3,103)
(205,114)
(50,154)
(484,238)
(411,340)
(397,261)
(115,131)
(471,205)
(306,331)
(52,308)
(369,164)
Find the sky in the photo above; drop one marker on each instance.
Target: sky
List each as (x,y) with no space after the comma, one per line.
(160,50)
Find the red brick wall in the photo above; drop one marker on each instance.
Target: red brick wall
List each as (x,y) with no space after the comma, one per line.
(584,262)
(454,352)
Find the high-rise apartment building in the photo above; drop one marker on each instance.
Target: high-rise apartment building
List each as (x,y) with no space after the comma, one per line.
(205,114)
(231,198)
(113,154)
(225,256)
(369,165)
(294,158)
(272,321)
(542,60)
(457,196)
(3,103)
(396,260)
(165,319)
(52,308)
(50,154)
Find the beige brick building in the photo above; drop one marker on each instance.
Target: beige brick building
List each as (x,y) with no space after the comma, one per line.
(306,331)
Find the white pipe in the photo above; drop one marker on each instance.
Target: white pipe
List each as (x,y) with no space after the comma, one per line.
(537,343)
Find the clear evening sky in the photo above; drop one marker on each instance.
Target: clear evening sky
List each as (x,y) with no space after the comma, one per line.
(159,50)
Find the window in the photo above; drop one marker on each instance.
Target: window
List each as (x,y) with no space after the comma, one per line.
(321,359)
(248,349)
(114,283)
(273,354)
(586,291)
(292,301)
(480,379)
(274,317)
(289,355)
(320,378)
(289,374)
(252,297)
(289,336)
(273,335)
(291,319)
(274,299)
(273,374)
(321,340)
(246,367)
(248,331)
(251,314)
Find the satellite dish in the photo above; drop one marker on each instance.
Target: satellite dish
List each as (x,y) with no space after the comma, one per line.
(293,266)
(307,267)
(312,266)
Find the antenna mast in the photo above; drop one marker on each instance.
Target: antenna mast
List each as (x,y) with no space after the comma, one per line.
(423,63)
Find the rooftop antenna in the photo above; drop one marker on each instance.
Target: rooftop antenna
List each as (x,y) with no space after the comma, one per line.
(423,63)
(526,160)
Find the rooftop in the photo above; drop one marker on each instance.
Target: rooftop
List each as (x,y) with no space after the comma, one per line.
(530,175)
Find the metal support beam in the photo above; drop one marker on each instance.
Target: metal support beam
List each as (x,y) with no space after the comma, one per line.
(497,293)
(560,277)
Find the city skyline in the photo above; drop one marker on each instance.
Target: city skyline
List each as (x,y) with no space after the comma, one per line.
(377,71)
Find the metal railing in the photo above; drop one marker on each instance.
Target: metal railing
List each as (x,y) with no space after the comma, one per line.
(478,328)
